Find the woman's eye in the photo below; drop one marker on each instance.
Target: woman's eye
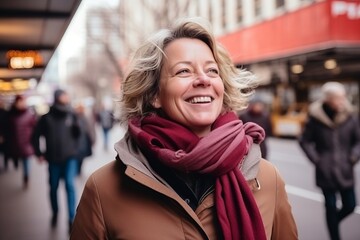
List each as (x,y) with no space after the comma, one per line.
(183,71)
(213,71)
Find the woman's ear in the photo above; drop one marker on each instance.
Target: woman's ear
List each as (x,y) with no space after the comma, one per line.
(156,102)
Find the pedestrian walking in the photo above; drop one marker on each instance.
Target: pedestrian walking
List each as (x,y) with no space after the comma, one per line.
(20,122)
(86,138)
(61,131)
(106,120)
(331,141)
(257,113)
(187,167)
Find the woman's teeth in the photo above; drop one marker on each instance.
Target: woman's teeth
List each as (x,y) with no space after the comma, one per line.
(200,100)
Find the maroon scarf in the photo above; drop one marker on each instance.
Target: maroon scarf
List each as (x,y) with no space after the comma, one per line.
(219,153)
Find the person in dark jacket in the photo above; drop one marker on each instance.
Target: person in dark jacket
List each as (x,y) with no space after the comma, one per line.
(60,129)
(20,122)
(106,120)
(256,112)
(331,140)
(87,136)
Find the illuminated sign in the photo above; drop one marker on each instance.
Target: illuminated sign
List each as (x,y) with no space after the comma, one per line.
(24,59)
(350,9)
(14,85)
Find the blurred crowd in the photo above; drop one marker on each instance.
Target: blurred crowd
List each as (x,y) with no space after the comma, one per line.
(63,137)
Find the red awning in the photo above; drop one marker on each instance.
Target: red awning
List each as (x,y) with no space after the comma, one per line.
(323,25)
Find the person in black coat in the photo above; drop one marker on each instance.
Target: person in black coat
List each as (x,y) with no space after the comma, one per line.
(61,131)
(331,141)
(257,113)
(106,120)
(87,136)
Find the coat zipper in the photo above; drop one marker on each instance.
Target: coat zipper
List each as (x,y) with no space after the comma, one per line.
(207,193)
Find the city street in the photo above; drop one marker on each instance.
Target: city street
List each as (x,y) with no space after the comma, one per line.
(25,214)
(295,52)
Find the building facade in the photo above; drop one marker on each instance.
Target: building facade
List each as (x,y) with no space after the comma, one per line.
(293,46)
(303,47)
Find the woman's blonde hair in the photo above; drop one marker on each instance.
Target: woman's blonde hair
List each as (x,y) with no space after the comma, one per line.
(141,85)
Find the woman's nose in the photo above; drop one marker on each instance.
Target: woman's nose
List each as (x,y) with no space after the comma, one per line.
(202,80)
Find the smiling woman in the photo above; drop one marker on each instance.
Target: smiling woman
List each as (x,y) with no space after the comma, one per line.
(187,168)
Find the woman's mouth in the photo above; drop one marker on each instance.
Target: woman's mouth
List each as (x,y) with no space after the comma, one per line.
(202,99)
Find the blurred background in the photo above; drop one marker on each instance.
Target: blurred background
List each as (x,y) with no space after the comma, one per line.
(292,46)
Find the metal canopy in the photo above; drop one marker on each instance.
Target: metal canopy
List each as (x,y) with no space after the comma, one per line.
(35,25)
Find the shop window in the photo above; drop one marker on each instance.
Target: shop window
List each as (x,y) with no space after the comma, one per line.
(257,7)
(210,13)
(239,11)
(223,14)
(280,3)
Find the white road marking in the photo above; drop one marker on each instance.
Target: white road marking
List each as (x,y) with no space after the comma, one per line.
(318,197)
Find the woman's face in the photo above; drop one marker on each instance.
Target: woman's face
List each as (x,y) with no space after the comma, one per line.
(191,91)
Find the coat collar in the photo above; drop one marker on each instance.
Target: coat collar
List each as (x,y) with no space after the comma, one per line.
(131,155)
(316,111)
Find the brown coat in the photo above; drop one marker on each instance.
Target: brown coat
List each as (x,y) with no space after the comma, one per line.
(121,202)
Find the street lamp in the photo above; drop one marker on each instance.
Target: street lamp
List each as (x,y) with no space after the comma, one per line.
(297,68)
(330,64)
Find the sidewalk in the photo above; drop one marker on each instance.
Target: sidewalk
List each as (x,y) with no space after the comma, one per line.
(25,214)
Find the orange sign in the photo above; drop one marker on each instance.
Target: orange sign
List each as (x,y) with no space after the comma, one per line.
(24,59)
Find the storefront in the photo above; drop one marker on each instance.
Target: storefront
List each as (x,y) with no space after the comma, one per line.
(298,51)
(30,31)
